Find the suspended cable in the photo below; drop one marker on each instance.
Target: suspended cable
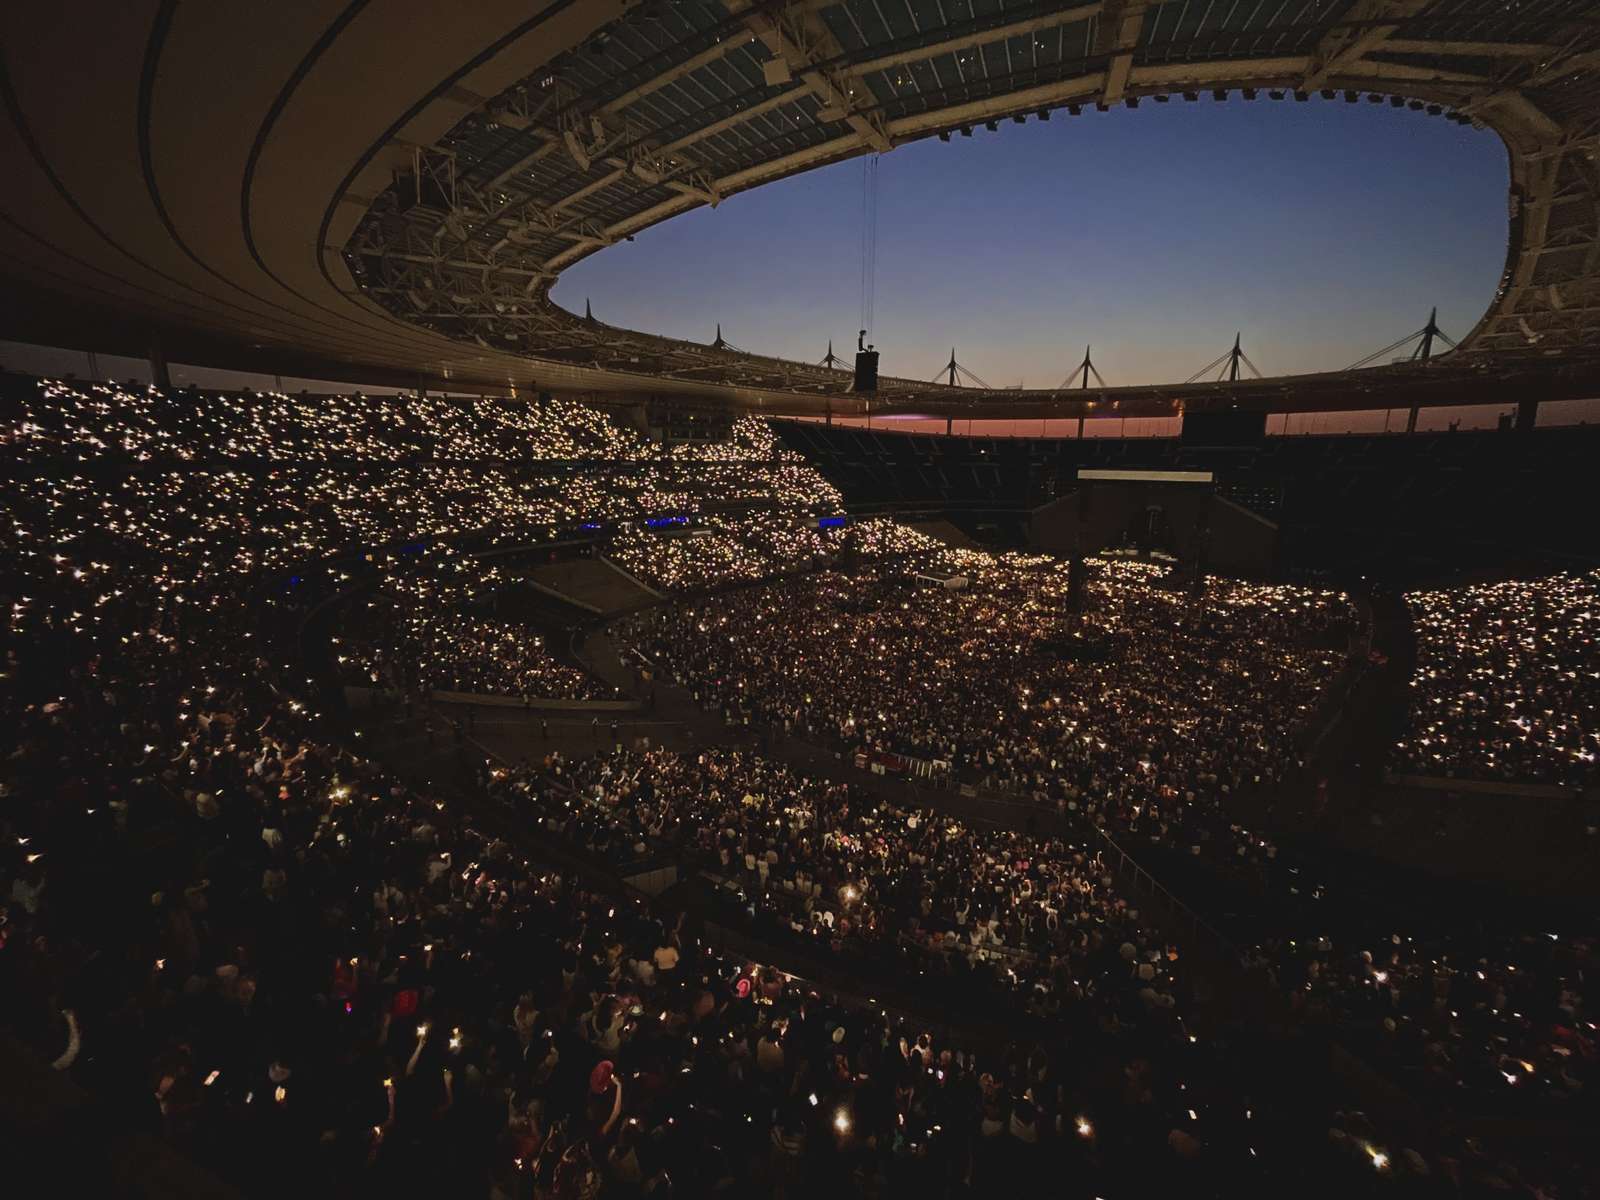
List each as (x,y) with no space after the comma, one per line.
(1390,348)
(1215,362)
(1422,337)
(869,238)
(966,374)
(953,374)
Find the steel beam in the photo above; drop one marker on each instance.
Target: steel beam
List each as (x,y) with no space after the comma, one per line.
(806,47)
(1162,77)
(1121,23)
(726,185)
(1361,31)
(1562,68)
(1357,52)
(788,96)
(687,67)
(969,41)
(1450,49)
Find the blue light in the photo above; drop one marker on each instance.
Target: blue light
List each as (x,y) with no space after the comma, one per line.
(831,522)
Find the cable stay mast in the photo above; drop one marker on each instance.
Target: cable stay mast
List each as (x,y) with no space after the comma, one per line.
(1084,371)
(722,343)
(954,374)
(1229,361)
(1421,352)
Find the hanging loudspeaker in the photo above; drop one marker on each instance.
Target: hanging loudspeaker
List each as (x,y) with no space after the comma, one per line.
(866,371)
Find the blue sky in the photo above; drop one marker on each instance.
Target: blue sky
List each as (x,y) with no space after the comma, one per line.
(1322,230)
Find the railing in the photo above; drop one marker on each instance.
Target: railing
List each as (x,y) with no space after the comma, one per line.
(1177,912)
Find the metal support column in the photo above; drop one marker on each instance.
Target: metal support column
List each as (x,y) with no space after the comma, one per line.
(159,374)
(1429,331)
(1075,561)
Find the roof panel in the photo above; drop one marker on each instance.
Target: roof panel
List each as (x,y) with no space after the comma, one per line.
(844,27)
(644,57)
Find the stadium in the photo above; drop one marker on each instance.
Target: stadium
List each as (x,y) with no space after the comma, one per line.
(456,745)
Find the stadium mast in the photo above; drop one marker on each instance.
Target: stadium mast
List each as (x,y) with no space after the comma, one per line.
(1085,369)
(1421,353)
(1424,339)
(958,375)
(1233,358)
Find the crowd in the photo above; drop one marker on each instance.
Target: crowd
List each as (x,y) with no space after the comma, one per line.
(886,538)
(252,941)
(1022,920)
(56,420)
(1491,1017)
(884,665)
(326,472)
(1147,709)
(1028,929)
(717,552)
(303,972)
(1507,682)
(66,419)
(401,650)
(684,561)
(428,625)
(793,544)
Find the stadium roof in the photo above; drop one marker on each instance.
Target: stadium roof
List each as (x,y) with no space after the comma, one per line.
(390,189)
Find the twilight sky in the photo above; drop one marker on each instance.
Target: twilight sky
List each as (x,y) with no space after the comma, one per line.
(1322,230)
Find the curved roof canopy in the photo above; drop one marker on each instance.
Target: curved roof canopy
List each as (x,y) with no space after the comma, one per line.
(392,188)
